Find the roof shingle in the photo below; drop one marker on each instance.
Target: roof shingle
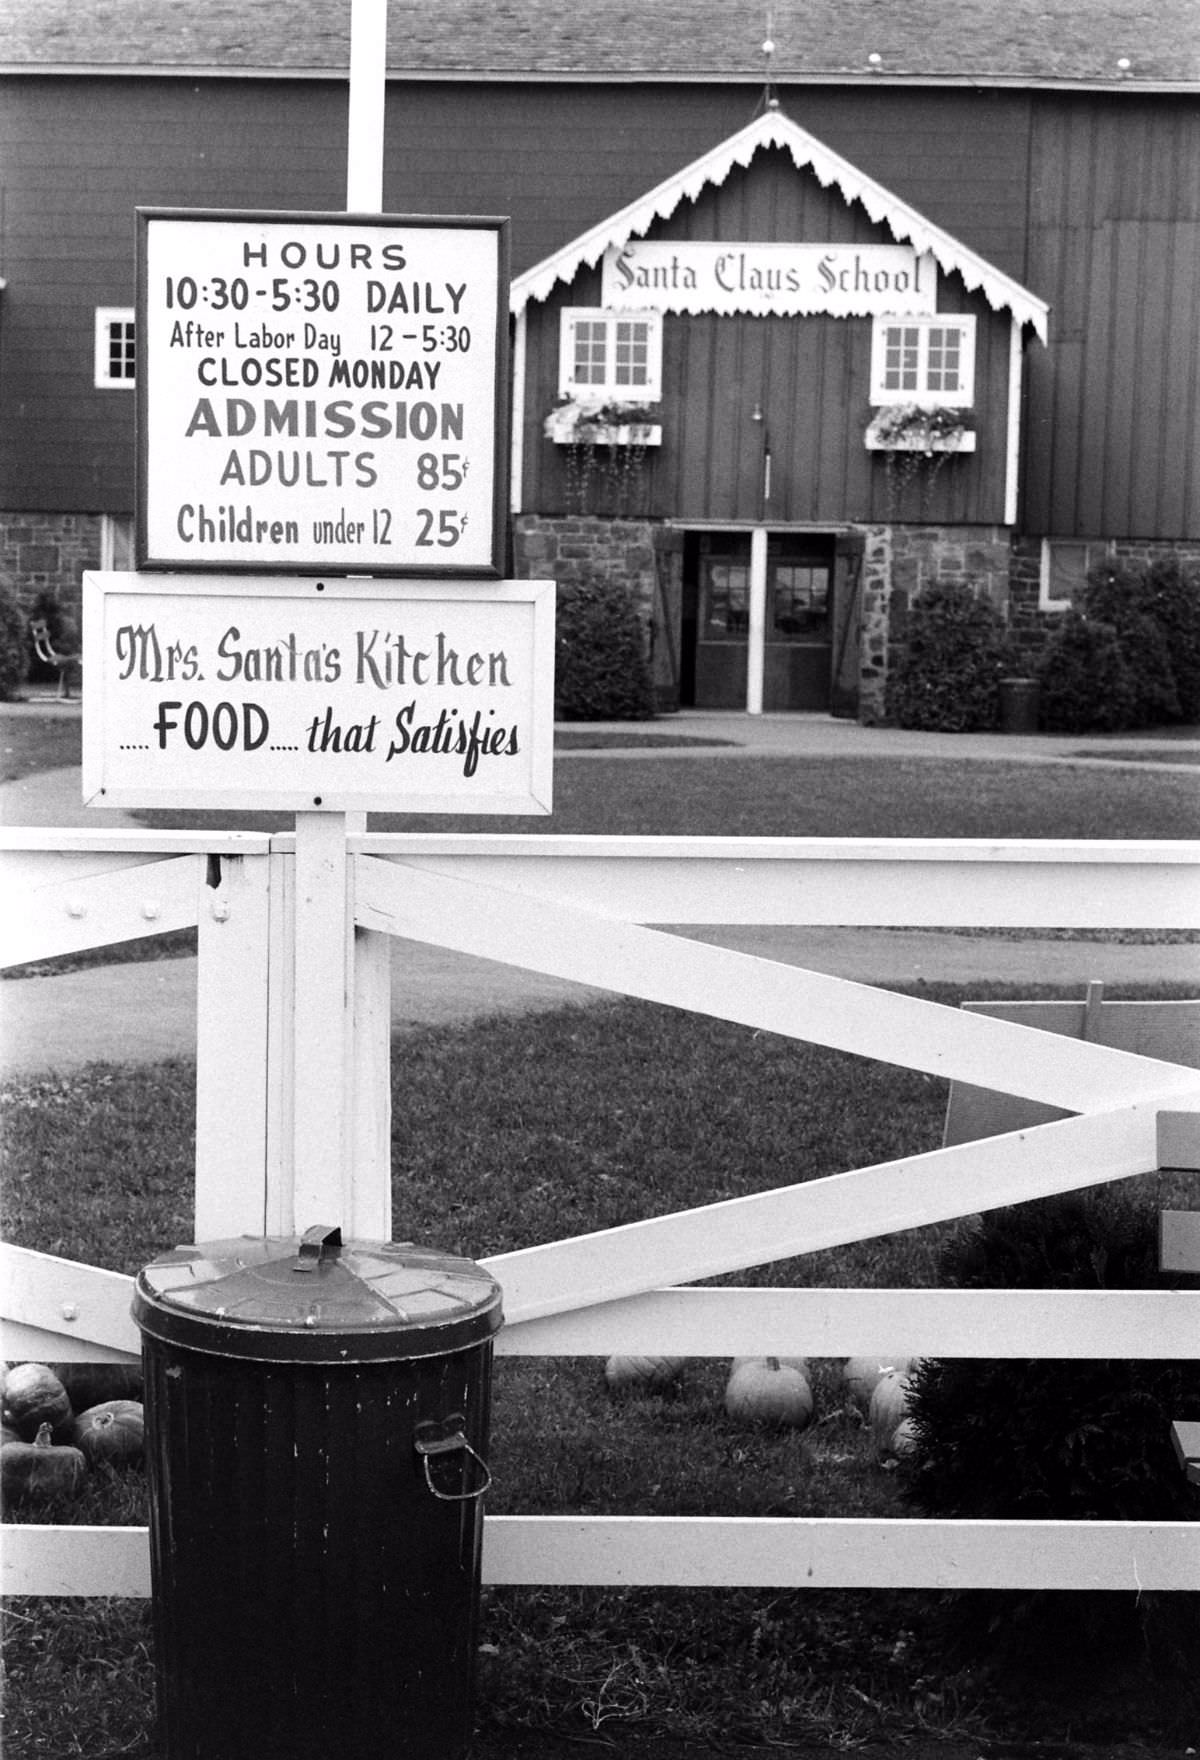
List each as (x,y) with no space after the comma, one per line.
(1012,41)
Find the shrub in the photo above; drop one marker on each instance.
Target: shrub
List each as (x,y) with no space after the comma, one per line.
(1173,600)
(1084,677)
(12,645)
(1121,597)
(1050,1439)
(601,669)
(1166,596)
(949,677)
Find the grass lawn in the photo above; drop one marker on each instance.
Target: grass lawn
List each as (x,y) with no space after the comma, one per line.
(516,1131)
(817,797)
(522,1130)
(30,742)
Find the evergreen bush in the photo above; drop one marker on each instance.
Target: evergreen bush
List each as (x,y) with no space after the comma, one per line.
(1166,596)
(13,654)
(955,656)
(601,669)
(1121,596)
(1059,1440)
(1085,681)
(1173,600)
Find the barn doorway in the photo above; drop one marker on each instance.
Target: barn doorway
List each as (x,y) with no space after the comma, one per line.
(719,645)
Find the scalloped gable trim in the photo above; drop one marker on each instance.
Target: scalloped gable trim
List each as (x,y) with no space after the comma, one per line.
(774,129)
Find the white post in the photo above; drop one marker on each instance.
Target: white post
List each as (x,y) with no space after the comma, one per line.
(517,449)
(366,1023)
(756,647)
(1012,445)
(368,88)
(323,1017)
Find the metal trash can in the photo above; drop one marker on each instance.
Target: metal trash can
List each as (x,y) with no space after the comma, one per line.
(1019,703)
(316,1418)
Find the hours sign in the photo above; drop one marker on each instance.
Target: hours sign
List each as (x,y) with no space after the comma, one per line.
(321,392)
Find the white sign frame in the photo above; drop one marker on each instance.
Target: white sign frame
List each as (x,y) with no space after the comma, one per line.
(186,682)
(322,393)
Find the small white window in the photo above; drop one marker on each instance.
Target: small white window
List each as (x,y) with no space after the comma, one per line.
(929,360)
(606,355)
(1066,564)
(116,348)
(116,541)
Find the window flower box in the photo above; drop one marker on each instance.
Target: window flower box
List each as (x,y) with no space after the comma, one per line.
(913,428)
(574,424)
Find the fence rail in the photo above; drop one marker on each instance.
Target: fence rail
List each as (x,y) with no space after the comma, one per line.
(292,926)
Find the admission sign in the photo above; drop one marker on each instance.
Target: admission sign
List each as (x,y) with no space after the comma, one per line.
(321,392)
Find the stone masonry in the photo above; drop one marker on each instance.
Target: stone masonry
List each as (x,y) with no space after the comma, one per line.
(49,551)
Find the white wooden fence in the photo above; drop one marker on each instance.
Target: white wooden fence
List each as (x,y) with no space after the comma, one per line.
(293,1127)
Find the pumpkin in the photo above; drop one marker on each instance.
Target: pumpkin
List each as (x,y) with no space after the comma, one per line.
(33,1396)
(647,1374)
(904,1439)
(90,1384)
(800,1363)
(862,1374)
(39,1469)
(114,1432)
(763,1390)
(888,1409)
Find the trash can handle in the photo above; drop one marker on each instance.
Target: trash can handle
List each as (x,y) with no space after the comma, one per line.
(313,1244)
(432,1439)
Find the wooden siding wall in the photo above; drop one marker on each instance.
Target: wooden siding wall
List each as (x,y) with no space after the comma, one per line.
(810,377)
(78,155)
(1092,201)
(1113,413)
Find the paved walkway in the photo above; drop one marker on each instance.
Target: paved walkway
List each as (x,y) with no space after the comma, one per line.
(146,1011)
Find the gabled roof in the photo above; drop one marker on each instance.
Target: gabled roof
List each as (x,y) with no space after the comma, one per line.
(1021,42)
(774,129)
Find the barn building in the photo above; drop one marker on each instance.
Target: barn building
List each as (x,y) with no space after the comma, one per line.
(802,322)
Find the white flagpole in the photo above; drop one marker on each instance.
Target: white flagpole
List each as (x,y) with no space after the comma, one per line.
(341,1017)
(368,86)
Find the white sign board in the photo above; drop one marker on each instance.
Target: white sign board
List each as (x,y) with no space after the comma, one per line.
(321,393)
(845,280)
(421,697)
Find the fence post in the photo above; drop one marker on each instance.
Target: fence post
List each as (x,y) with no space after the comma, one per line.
(232,1047)
(340,1074)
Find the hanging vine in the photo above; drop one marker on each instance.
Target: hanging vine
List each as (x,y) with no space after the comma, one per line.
(916,443)
(593,455)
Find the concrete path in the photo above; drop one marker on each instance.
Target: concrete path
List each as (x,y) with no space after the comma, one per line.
(147,1011)
(137,1012)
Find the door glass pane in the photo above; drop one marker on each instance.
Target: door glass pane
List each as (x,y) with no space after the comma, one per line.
(797,601)
(724,601)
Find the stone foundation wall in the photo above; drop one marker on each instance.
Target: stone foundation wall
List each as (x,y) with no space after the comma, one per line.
(1146,550)
(49,551)
(899,563)
(577,547)
(876,613)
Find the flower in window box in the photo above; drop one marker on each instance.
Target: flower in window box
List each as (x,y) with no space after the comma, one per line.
(572,423)
(915,427)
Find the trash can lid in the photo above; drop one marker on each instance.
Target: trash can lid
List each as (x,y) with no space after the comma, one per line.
(316,1299)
